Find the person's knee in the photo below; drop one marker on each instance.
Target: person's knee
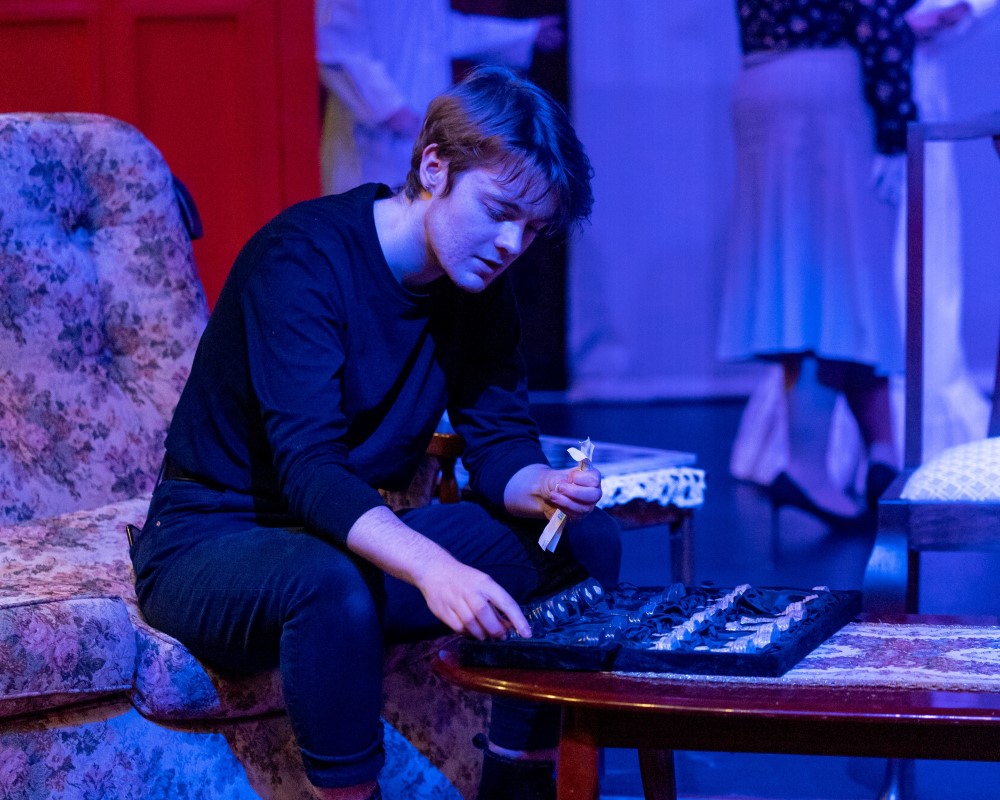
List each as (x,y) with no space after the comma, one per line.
(335,594)
(596,543)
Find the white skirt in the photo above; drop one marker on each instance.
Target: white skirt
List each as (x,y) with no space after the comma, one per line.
(812,246)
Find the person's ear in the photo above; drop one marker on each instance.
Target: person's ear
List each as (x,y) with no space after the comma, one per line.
(433,170)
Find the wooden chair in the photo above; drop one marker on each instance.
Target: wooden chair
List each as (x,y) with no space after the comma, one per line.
(932,506)
(435,478)
(914,514)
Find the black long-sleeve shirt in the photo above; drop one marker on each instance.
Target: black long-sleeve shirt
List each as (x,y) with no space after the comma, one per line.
(875,28)
(320,377)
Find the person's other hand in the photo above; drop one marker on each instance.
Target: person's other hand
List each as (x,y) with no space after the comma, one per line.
(551,35)
(404,123)
(928,24)
(469,601)
(888,176)
(575,492)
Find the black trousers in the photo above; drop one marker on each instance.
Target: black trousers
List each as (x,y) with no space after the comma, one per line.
(244,591)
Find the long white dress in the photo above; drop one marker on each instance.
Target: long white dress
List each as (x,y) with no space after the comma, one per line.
(378,56)
(955,409)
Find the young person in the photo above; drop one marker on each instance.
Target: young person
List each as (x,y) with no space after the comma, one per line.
(347,326)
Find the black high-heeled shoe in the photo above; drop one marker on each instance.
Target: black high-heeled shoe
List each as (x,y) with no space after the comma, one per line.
(783,491)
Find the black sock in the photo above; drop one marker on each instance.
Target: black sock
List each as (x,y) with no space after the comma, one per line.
(515,779)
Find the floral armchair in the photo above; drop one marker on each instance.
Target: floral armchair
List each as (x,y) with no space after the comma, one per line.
(100,311)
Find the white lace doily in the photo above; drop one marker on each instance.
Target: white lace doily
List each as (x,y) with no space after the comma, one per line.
(629,472)
(683,487)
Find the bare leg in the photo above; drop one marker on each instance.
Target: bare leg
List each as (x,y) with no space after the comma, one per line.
(810,412)
(868,397)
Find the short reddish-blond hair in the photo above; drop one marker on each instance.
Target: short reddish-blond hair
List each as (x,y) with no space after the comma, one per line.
(495,119)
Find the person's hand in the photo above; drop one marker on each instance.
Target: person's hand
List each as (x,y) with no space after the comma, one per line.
(928,24)
(887,178)
(404,123)
(469,601)
(551,35)
(575,492)
(463,598)
(538,492)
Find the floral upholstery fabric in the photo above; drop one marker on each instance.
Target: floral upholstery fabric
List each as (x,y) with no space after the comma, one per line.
(100,311)
(964,473)
(59,646)
(67,607)
(113,753)
(442,727)
(53,653)
(171,684)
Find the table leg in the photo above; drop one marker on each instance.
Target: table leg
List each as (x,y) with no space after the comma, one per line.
(682,550)
(659,781)
(899,780)
(577,777)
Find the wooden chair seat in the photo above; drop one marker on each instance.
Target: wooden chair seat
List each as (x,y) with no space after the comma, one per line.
(953,501)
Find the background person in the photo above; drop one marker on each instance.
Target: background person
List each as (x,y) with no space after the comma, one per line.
(382,61)
(955,409)
(824,94)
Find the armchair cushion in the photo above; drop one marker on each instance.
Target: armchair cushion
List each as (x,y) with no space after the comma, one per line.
(65,632)
(100,311)
(171,684)
(967,472)
(56,652)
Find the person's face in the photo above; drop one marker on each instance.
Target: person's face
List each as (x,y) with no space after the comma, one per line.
(474,233)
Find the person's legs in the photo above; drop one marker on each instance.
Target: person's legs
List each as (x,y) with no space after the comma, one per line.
(811,392)
(519,756)
(250,598)
(868,398)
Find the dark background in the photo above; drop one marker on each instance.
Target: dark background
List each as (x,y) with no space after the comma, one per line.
(540,274)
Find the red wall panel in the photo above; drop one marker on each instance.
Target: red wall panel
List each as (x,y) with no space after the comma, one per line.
(226,89)
(68,62)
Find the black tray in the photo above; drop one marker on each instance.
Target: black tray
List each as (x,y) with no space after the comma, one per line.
(585,628)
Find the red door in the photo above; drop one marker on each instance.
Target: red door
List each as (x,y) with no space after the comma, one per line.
(226,89)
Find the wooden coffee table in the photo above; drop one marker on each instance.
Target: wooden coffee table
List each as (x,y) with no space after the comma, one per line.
(899,687)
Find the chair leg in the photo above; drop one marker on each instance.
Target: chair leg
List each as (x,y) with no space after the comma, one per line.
(912,581)
(899,780)
(659,780)
(886,583)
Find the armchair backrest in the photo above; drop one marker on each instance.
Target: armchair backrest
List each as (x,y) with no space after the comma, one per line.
(101,309)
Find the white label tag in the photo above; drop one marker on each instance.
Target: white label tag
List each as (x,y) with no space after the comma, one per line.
(553,530)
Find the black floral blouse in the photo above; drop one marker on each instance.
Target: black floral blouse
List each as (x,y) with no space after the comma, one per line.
(875,28)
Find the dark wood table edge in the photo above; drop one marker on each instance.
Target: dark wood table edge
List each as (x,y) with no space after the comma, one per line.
(657,715)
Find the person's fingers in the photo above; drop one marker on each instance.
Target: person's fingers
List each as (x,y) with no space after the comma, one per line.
(471,624)
(485,617)
(505,605)
(550,33)
(573,498)
(584,477)
(451,619)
